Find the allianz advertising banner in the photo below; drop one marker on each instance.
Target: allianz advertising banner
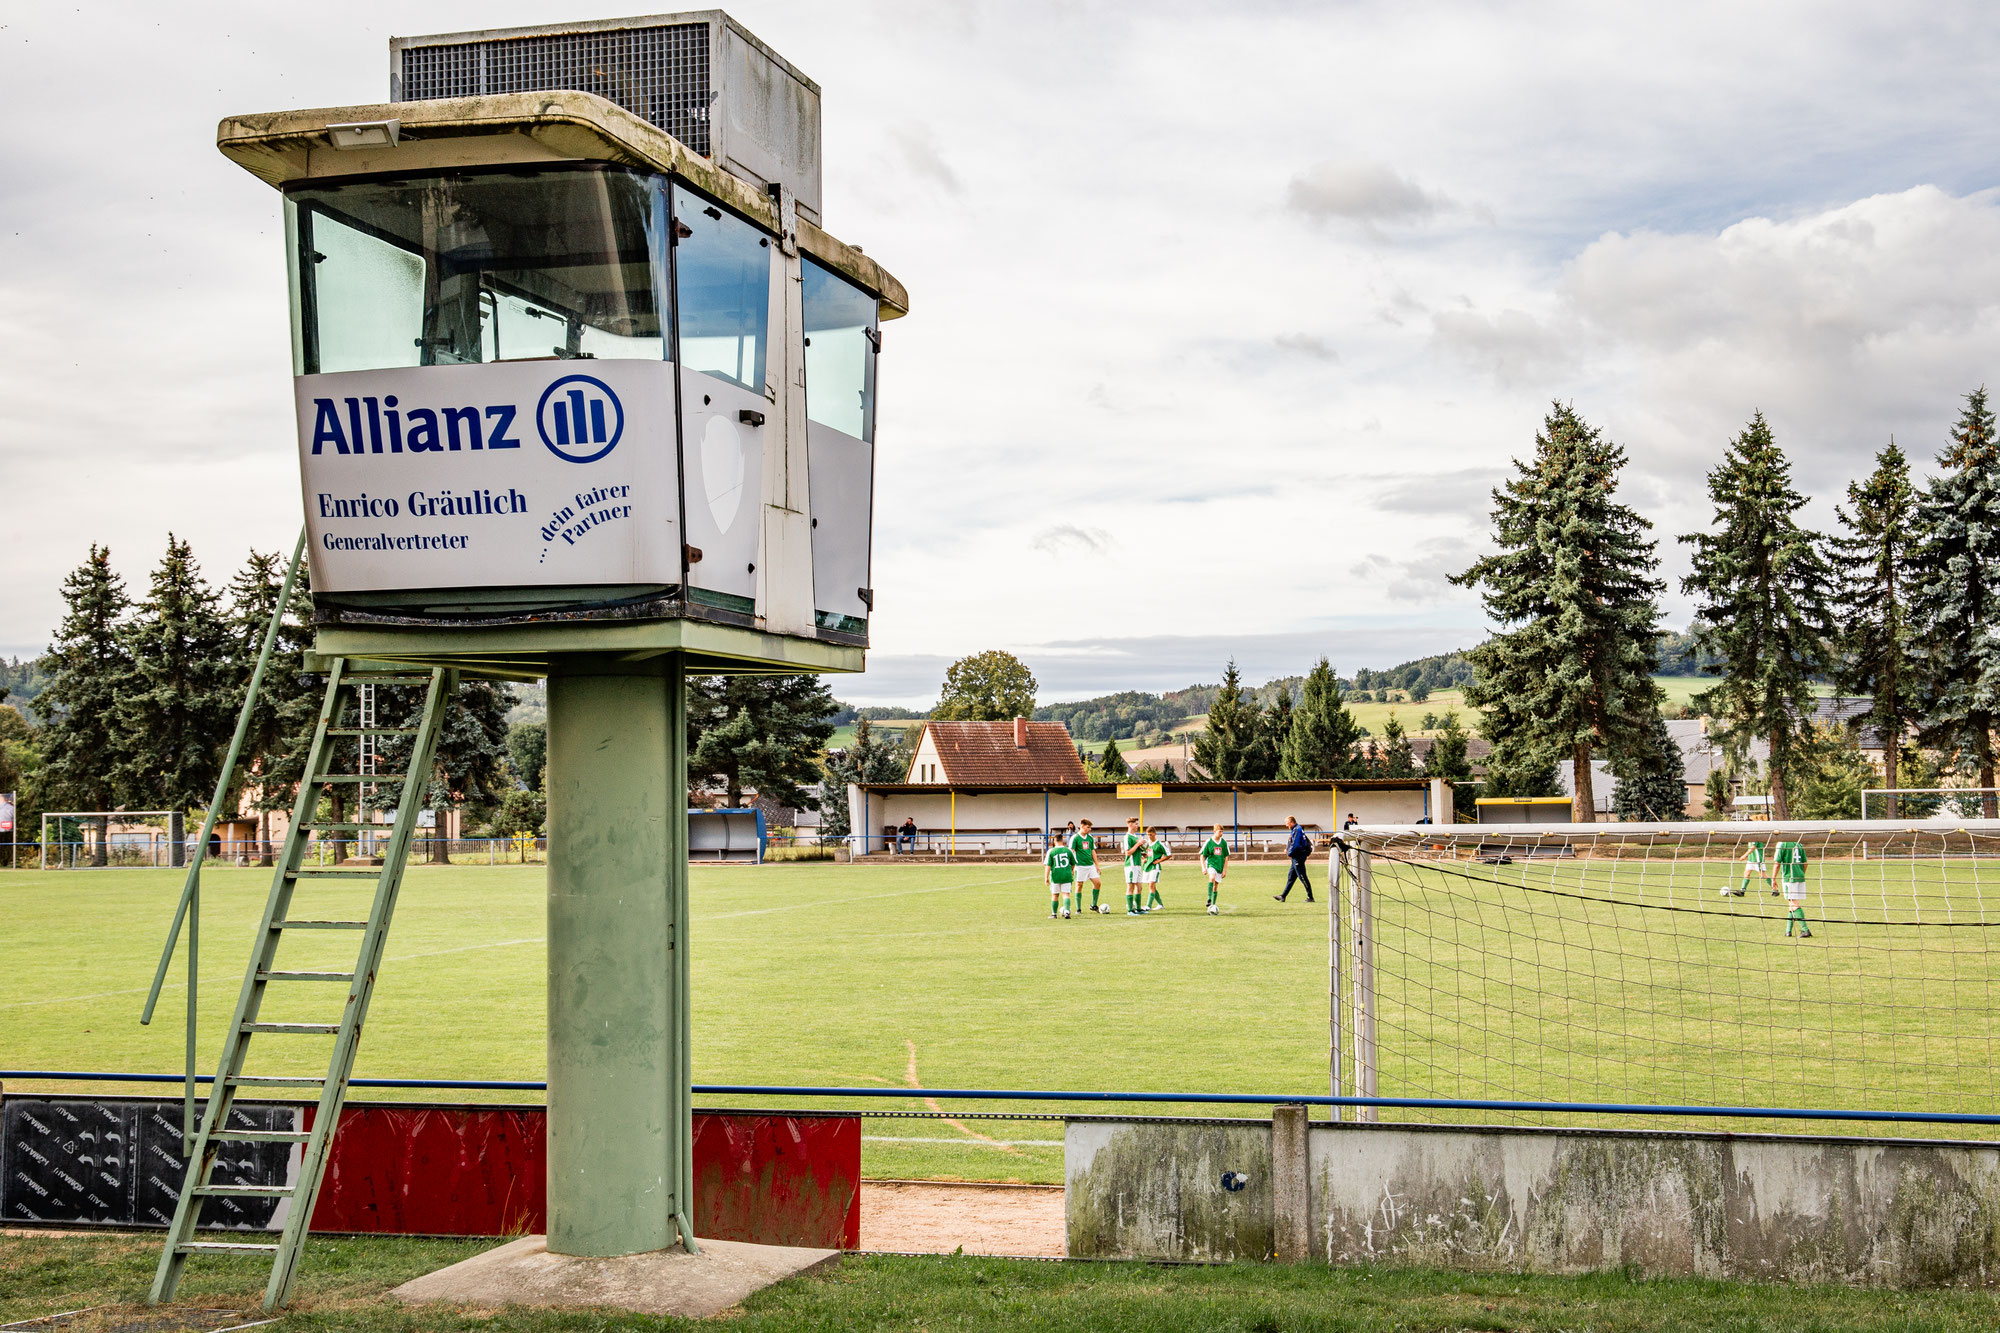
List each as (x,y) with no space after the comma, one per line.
(508,475)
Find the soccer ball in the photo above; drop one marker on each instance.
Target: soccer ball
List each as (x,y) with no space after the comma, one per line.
(1104,908)
(1213,910)
(1065,914)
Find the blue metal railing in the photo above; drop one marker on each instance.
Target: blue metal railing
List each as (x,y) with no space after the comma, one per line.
(1188,1098)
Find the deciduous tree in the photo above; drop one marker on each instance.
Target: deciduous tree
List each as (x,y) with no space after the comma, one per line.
(992,686)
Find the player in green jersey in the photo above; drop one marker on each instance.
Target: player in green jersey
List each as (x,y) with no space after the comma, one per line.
(1135,867)
(1084,846)
(1157,853)
(1792,872)
(1059,872)
(1215,864)
(1753,868)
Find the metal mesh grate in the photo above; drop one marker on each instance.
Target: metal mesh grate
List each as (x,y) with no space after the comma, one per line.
(658,73)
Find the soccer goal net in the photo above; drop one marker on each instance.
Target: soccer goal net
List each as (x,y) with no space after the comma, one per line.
(1798,966)
(1944,804)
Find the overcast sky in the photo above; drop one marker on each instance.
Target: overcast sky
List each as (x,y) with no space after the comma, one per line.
(1224,319)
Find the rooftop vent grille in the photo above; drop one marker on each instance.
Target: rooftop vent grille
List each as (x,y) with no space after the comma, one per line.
(660,74)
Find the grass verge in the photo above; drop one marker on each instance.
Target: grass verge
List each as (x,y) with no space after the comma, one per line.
(343,1284)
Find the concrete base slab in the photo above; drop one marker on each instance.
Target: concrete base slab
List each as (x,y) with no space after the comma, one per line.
(666,1282)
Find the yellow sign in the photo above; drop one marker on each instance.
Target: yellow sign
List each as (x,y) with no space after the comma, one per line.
(1137,791)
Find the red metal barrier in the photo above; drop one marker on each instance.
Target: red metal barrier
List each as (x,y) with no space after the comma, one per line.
(483,1171)
(778,1179)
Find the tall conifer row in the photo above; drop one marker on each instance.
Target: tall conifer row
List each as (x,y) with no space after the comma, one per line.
(1873,558)
(88,668)
(180,711)
(1320,744)
(288,700)
(1955,597)
(1569,672)
(1762,589)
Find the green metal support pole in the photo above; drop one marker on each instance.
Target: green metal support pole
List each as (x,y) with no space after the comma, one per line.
(620,1126)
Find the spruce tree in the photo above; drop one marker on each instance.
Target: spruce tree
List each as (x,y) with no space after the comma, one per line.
(1955,598)
(1570,672)
(1267,745)
(1873,562)
(1320,746)
(762,733)
(1224,746)
(288,700)
(1447,758)
(1652,782)
(871,758)
(178,715)
(1398,758)
(1112,764)
(1762,589)
(89,668)
(470,767)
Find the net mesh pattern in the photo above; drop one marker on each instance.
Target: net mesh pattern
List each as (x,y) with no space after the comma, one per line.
(659,73)
(1672,970)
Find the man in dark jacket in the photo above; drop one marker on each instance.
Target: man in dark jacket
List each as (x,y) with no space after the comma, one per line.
(1298,847)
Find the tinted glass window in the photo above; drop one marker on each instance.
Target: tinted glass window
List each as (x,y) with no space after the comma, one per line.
(840,352)
(456,269)
(722,270)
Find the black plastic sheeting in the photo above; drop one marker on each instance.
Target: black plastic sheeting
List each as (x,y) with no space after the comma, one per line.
(118,1162)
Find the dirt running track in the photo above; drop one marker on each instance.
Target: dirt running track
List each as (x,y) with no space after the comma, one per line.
(918,1217)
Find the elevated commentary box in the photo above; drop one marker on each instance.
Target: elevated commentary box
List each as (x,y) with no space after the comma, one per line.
(564,383)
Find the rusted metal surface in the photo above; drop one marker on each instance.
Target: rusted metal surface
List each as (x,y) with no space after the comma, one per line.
(779,1179)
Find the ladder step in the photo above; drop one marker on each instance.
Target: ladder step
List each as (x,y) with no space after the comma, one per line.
(371,731)
(361,777)
(222,1246)
(275,1081)
(245,1191)
(262,1135)
(319,925)
(295,1029)
(305,976)
(332,874)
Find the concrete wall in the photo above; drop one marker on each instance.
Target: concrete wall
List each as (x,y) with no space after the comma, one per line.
(1009,820)
(1875,1212)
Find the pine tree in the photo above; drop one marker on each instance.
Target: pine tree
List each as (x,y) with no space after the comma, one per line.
(1873,562)
(1762,587)
(89,668)
(1112,764)
(1167,771)
(763,733)
(1573,581)
(1447,758)
(181,708)
(1223,748)
(1955,598)
(870,759)
(1652,783)
(470,767)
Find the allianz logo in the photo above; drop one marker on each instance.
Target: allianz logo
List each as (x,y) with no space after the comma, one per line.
(578,418)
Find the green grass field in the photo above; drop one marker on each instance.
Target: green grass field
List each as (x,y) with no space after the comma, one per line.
(953,976)
(343,1280)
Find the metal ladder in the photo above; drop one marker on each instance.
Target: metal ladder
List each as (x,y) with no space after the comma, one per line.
(343,687)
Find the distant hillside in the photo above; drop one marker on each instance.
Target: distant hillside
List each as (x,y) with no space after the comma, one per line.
(23,680)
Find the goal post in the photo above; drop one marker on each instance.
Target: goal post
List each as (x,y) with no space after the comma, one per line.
(1716,968)
(1943,804)
(85,839)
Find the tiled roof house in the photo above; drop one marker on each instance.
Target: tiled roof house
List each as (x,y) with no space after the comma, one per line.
(970,753)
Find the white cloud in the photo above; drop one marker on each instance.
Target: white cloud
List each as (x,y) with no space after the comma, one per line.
(1360,190)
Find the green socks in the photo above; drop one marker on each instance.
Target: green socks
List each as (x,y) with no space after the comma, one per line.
(1093,897)
(1156,900)
(1211,895)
